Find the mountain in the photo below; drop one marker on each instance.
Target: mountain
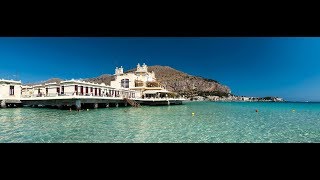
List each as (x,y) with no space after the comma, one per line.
(105,78)
(52,80)
(57,80)
(173,80)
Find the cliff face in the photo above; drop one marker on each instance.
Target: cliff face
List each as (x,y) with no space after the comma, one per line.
(173,80)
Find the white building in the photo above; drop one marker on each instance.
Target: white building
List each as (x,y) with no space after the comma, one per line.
(10,92)
(10,89)
(245,99)
(75,88)
(144,83)
(82,88)
(33,91)
(27,91)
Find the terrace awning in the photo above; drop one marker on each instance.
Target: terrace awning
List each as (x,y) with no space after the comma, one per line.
(155,91)
(12,101)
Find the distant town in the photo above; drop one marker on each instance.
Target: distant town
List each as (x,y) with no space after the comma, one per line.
(233,98)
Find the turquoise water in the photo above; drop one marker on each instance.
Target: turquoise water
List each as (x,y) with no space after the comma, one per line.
(212,122)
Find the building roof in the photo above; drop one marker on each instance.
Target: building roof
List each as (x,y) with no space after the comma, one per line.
(10,81)
(84,83)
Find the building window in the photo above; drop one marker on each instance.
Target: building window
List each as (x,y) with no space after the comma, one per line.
(76,89)
(87,90)
(62,90)
(81,90)
(138,83)
(11,90)
(125,83)
(58,90)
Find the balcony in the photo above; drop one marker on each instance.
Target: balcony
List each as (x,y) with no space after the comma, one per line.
(139,83)
(153,84)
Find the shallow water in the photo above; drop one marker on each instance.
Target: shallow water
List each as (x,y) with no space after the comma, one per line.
(212,122)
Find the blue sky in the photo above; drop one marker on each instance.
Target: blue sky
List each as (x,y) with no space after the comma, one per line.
(267,66)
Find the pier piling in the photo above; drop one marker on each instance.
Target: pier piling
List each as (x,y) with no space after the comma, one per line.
(78,104)
(3,104)
(84,102)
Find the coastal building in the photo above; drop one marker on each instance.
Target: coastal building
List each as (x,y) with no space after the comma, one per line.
(144,83)
(10,89)
(278,99)
(38,90)
(245,98)
(27,91)
(135,88)
(75,88)
(10,92)
(82,88)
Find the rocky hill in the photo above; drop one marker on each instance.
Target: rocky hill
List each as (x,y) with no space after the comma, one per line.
(105,78)
(52,80)
(173,80)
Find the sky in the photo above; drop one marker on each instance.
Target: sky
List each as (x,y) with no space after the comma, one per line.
(287,67)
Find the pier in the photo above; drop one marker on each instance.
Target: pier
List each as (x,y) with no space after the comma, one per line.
(76,102)
(4,103)
(93,102)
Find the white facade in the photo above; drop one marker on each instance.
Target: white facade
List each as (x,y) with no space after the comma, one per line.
(75,88)
(52,89)
(144,83)
(245,98)
(10,89)
(27,91)
(38,91)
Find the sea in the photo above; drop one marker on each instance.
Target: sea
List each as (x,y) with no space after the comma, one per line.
(192,122)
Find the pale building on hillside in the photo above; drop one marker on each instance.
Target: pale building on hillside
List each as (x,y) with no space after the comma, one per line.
(245,99)
(279,99)
(144,83)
